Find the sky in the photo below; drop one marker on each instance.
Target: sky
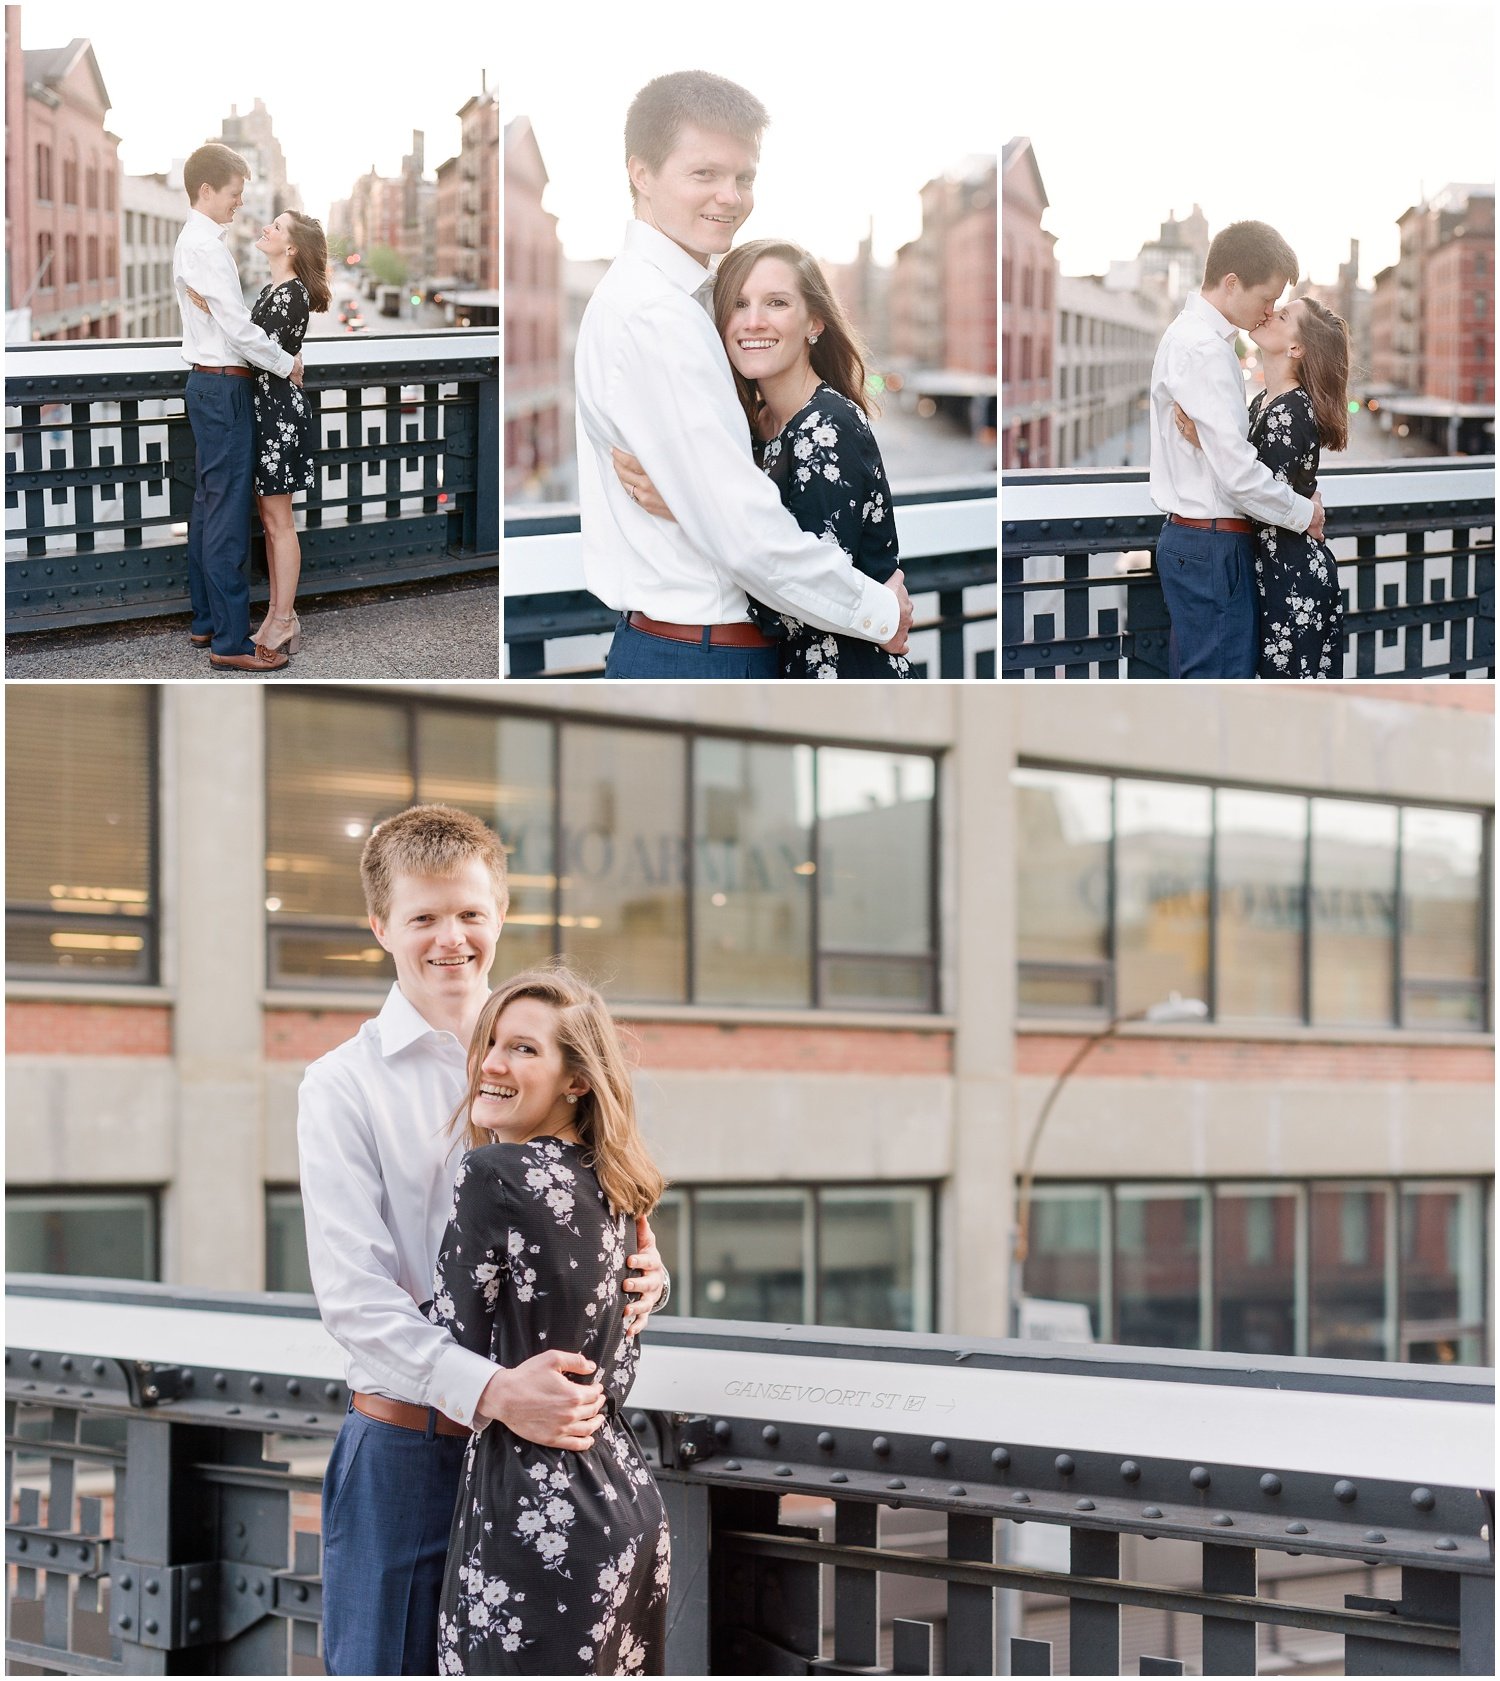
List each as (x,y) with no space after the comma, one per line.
(343,86)
(1326,119)
(861,118)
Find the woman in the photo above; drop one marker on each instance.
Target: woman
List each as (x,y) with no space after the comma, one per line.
(799,369)
(558,1562)
(297,250)
(1305,405)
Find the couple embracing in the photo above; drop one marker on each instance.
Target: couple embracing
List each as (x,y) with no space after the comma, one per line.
(1251,587)
(734,508)
(252,424)
(476,1192)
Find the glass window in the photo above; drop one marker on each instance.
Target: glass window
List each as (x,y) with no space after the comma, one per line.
(500,769)
(1441,962)
(751,1255)
(873,1247)
(1162,892)
(1255,1270)
(752,872)
(90,1234)
(670,1224)
(623,843)
(875,878)
(286,1243)
(80,770)
(1349,1284)
(1159,1267)
(1066,1246)
(1062,906)
(335,768)
(1353,912)
(1260,864)
(1442,1275)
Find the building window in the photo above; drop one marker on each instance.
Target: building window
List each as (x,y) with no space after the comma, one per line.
(1293,1268)
(44,172)
(1128,886)
(96,1234)
(286,1243)
(70,259)
(111,263)
(92,248)
(46,278)
(91,186)
(81,865)
(848,1255)
(686,866)
(70,180)
(109,186)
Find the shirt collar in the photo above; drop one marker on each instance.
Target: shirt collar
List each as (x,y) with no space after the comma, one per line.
(651,244)
(400,1023)
(1205,311)
(206,226)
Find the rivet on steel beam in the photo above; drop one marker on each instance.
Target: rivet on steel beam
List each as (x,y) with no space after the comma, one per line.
(1150,1511)
(126,1584)
(260,1589)
(330,1390)
(1064,1465)
(1344,1491)
(770,1434)
(882,1445)
(1199,1476)
(256,1385)
(152,1625)
(195,1625)
(241,1585)
(34,1361)
(1446,1544)
(301,1592)
(1270,1483)
(222,1382)
(825,1439)
(1296,1529)
(1000,1458)
(1020,1498)
(957,1490)
(731,1465)
(1423,1499)
(153,1586)
(239,1528)
(195,1584)
(22,1544)
(722,1431)
(1222,1520)
(1084,1505)
(1130,1471)
(1373,1535)
(293,1387)
(67,1362)
(125,1621)
(783,1470)
(839,1477)
(895,1482)
(939,1450)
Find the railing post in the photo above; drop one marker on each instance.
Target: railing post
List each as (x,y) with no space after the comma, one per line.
(1228,1645)
(487,489)
(689,1608)
(1094,1625)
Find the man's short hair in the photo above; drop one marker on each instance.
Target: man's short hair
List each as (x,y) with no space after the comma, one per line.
(1253,251)
(215,166)
(428,840)
(660,110)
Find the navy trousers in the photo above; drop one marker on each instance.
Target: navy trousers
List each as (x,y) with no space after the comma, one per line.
(223,422)
(637,653)
(388,1499)
(1208,578)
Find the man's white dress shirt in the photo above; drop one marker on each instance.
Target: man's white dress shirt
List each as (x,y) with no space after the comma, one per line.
(226,337)
(378,1165)
(1196,366)
(653,379)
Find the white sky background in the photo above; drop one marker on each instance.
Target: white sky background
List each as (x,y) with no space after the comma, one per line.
(866,107)
(345,86)
(1326,119)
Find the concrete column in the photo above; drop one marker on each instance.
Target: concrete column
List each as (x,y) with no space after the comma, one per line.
(214,823)
(981,913)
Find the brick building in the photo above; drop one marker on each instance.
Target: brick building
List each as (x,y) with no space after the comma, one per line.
(1458,305)
(62,191)
(1028,285)
(479,187)
(535,378)
(268,191)
(153,209)
(942,290)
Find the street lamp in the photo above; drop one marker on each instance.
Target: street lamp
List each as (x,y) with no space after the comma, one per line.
(1173,1008)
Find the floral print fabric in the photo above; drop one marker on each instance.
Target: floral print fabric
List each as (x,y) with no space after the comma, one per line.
(283,416)
(558,1563)
(827,466)
(1301,603)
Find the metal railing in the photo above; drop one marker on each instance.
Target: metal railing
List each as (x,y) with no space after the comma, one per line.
(1414,541)
(99,472)
(947,534)
(162,1513)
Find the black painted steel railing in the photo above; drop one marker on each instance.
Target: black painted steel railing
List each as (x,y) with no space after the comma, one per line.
(842,1501)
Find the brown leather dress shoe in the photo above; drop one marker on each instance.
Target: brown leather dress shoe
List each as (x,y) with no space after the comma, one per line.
(263,659)
(200,641)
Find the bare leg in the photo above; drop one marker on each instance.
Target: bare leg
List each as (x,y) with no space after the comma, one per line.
(284,562)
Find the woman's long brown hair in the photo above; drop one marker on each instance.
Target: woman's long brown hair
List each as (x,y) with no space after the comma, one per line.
(591,1048)
(839,355)
(310,259)
(1323,371)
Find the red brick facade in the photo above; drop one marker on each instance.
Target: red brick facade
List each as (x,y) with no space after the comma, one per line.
(58,1027)
(533,317)
(1256,1061)
(1028,293)
(1458,311)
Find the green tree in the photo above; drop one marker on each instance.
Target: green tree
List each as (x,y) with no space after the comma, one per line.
(388,266)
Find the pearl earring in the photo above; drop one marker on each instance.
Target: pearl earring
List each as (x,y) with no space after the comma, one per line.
(571,1098)
(812,338)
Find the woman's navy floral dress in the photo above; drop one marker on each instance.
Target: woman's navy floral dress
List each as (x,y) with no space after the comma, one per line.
(827,466)
(558,1562)
(1301,604)
(283,415)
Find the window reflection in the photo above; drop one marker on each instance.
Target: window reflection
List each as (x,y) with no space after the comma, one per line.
(1162,873)
(1442,1290)
(872,1251)
(1260,864)
(1350,1296)
(1353,912)
(1062,876)
(98,1234)
(1065,1252)
(751,1251)
(1255,1270)
(1441,861)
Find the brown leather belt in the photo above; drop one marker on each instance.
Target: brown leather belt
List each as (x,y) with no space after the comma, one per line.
(720,636)
(242,373)
(1212,524)
(409,1417)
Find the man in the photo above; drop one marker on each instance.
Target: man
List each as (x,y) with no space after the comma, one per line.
(378,1162)
(216,345)
(1206,552)
(653,380)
